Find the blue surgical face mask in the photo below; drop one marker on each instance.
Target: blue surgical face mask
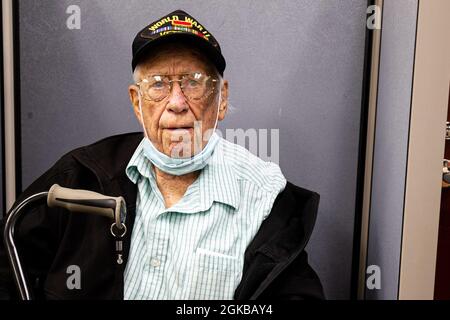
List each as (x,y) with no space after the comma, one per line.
(180,166)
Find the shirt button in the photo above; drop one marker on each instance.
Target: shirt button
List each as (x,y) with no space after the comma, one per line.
(155,263)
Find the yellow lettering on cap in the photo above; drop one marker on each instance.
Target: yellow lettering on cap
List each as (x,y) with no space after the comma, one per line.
(162,22)
(194,23)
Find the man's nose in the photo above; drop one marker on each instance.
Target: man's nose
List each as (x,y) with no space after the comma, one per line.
(177,99)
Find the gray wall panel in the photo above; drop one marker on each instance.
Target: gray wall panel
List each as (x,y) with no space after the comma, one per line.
(296,66)
(391,143)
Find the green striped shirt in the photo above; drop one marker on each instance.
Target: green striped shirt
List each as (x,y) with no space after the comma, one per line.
(195,249)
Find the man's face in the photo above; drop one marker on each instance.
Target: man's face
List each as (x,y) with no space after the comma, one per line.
(172,124)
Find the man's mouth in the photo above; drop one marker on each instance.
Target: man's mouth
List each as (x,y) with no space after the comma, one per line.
(180,128)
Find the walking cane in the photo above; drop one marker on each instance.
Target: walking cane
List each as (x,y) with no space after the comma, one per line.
(71,199)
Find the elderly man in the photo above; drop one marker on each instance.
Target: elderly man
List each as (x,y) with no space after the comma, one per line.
(206,218)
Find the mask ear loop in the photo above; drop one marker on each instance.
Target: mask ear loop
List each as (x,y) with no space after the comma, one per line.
(142,115)
(220,101)
(218,107)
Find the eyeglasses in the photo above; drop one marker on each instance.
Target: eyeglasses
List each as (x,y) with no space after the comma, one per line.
(195,86)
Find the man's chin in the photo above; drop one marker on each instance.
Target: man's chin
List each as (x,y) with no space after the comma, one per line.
(180,150)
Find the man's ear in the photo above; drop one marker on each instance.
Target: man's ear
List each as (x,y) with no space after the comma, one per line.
(224,103)
(133,92)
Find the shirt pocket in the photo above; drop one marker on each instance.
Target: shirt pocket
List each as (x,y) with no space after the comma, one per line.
(214,276)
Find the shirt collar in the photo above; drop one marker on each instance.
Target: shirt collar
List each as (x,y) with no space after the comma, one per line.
(216,182)
(139,165)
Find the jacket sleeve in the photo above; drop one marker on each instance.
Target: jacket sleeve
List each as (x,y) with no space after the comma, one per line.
(299,282)
(36,236)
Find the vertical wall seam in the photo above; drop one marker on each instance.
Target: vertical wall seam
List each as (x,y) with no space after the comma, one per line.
(378,56)
(9,95)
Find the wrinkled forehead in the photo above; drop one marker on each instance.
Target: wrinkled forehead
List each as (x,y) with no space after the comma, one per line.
(176,56)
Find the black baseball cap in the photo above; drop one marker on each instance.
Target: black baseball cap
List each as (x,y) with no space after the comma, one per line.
(177,26)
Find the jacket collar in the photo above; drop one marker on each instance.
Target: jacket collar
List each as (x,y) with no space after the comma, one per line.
(109,157)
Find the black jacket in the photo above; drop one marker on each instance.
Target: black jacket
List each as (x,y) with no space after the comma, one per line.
(51,239)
